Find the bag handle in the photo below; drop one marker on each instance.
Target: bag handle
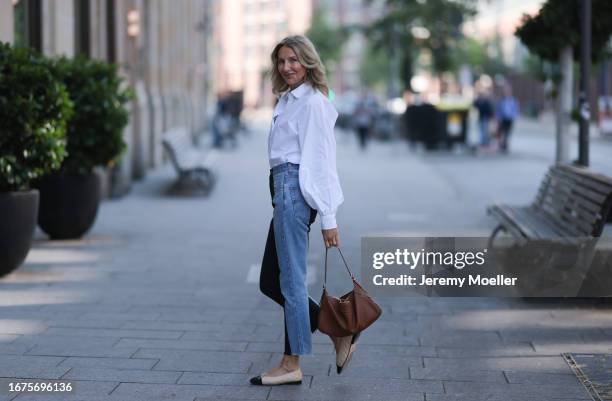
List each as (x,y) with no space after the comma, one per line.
(345,264)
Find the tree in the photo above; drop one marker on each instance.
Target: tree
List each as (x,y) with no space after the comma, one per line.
(327,39)
(557,25)
(442,20)
(554,35)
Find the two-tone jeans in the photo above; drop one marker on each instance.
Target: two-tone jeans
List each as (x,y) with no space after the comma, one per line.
(283,269)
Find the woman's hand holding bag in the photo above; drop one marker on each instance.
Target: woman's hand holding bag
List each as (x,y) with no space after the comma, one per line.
(351,313)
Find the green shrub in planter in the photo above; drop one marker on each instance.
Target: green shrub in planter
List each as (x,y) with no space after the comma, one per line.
(70,199)
(95,130)
(34,107)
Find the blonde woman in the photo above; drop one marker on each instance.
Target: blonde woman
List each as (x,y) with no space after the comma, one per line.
(303,182)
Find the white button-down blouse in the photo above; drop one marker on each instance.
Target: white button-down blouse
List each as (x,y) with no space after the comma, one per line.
(302,133)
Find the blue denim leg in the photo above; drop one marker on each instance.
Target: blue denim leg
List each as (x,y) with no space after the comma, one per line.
(291,223)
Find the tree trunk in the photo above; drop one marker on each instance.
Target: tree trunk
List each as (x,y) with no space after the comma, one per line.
(564,105)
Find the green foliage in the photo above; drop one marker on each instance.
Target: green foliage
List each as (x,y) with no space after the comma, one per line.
(443,20)
(374,67)
(327,39)
(34,108)
(475,54)
(557,25)
(94,133)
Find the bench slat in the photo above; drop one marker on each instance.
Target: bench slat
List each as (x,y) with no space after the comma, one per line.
(585,181)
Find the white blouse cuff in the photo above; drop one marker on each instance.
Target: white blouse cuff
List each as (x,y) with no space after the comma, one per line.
(328,221)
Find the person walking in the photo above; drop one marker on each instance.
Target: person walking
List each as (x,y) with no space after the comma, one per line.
(485,108)
(303,183)
(362,117)
(506,111)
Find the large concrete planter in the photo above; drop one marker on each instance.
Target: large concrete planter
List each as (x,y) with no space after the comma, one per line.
(18,211)
(68,204)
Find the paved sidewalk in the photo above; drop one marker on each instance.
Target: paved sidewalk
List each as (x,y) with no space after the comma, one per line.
(159,302)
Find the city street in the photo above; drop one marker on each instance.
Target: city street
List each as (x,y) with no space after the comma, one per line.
(161,300)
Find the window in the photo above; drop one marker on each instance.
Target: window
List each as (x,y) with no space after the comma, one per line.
(28,23)
(81,27)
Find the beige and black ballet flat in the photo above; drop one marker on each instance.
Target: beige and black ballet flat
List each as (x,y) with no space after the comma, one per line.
(294,377)
(345,350)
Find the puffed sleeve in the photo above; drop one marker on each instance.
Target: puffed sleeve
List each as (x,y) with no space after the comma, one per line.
(318,176)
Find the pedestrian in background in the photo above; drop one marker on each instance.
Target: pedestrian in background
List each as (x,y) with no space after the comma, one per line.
(484,105)
(506,112)
(303,182)
(362,119)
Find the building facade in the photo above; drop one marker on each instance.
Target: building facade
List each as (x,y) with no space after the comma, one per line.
(245,35)
(162,48)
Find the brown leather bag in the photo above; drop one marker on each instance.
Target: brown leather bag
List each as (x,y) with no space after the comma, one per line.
(351,313)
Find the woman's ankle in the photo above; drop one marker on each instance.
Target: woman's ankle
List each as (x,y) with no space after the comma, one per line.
(290,362)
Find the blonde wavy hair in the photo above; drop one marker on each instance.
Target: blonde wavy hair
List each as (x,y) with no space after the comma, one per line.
(307,56)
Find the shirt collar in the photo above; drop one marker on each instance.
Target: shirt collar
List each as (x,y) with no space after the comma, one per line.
(300,90)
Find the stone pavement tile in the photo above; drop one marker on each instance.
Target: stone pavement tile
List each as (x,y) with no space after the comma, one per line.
(189,316)
(496,397)
(461,339)
(10,327)
(85,307)
(123,333)
(14,349)
(26,360)
(381,366)
(102,316)
(374,351)
(554,346)
(115,363)
(540,378)
(85,323)
(183,344)
(231,336)
(544,334)
(83,390)
(81,350)
(450,373)
(202,361)
(348,388)
(37,315)
(387,339)
(189,392)
(271,318)
(180,326)
(574,390)
(542,364)
(61,340)
(122,375)
(498,319)
(33,372)
(517,349)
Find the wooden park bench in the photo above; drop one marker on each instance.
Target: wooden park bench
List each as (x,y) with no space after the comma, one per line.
(572,203)
(568,215)
(195,176)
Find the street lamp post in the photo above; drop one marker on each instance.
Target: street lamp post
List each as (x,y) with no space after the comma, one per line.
(585,72)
